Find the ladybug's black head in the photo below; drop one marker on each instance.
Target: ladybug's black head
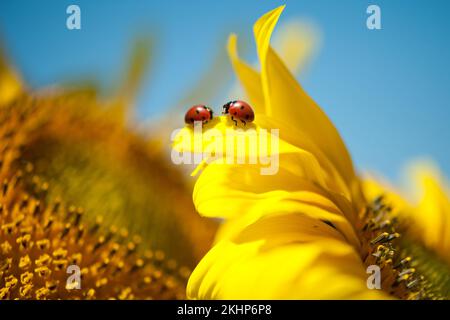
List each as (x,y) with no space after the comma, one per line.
(227,106)
(210,111)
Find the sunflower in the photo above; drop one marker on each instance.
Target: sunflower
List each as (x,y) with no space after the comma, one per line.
(81,187)
(311,230)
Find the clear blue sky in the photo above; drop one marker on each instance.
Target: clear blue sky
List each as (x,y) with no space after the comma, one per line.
(387,91)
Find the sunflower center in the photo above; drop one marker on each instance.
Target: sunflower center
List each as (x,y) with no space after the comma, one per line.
(408,269)
(124,194)
(48,251)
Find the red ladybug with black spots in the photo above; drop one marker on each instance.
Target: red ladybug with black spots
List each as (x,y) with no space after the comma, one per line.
(239,111)
(199,112)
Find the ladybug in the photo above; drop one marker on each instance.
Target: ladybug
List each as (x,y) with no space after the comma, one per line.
(239,110)
(199,112)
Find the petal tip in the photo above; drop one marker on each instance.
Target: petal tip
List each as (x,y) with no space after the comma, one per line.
(272,15)
(232,46)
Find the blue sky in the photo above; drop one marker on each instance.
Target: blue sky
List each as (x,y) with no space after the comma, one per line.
(387,90)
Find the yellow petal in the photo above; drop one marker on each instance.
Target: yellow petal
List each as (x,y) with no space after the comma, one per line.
(432,215)
(241,192)
(286,100)
(296,42)
(282,257)
(294,136)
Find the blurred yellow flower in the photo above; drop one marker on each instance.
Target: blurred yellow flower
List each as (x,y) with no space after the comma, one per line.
(296,42)
(308,231)
(80,187)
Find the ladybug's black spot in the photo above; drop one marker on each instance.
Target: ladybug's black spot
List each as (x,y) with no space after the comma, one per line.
(196,111)
(235,113)
(192,120)
(242,107)
(247,116)
(203,118)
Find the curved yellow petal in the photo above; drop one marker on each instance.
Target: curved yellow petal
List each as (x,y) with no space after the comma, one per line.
(282,92)
(282,257)
(294,136)
(432,215)
(241,192)
(305,204)
(296,41)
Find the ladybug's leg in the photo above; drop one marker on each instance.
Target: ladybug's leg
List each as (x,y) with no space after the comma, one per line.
(245,123)
(235,122)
